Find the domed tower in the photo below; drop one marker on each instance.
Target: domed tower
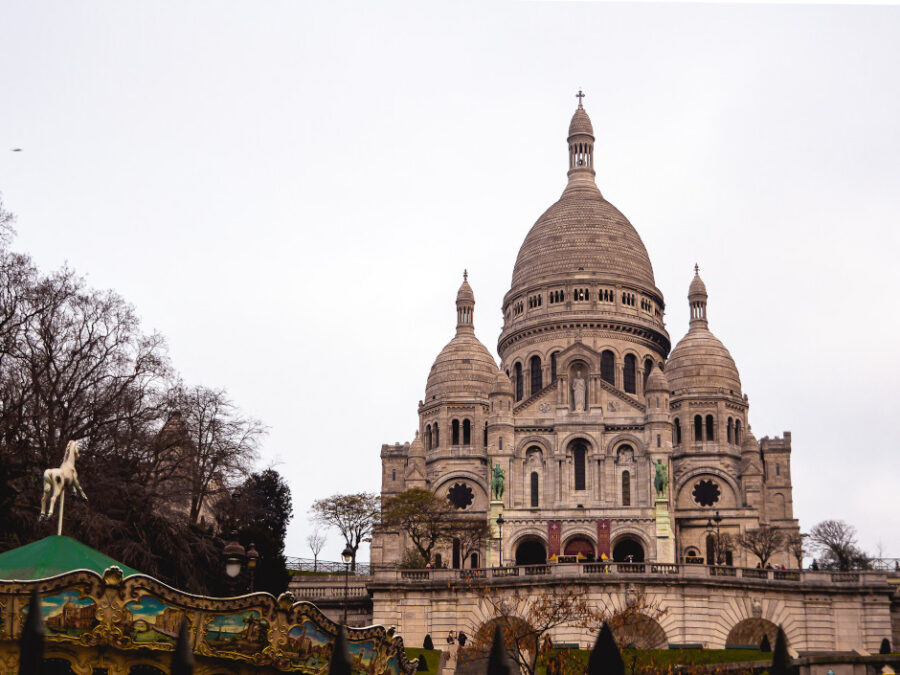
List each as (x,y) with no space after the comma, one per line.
(582,275)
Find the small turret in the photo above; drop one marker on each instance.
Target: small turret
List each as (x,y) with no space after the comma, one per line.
(415,464)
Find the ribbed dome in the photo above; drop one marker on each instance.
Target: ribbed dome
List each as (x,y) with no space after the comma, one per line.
(464,368)
(502,385)
(582,234)
(581,123)
(697,288)
(465,293)
(700,362)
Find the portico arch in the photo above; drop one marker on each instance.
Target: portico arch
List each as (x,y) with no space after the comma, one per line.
(531,550)
(750,632)
(628,544)
(639,631)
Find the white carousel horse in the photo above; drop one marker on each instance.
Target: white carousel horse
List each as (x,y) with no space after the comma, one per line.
(57,480)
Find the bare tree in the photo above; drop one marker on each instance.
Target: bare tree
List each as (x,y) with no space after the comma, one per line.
(835,541)
(763,542)
(316,541)
(215,445)
(353,516)
(796,546)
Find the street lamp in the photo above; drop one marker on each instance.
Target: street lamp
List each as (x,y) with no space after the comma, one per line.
(718,519)
(252,560)
(500,522)
(347,555)
(234,555)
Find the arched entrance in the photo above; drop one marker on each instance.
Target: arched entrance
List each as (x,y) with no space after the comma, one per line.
(749,633)
(628,550)
(580,545)
(638,631)
(531,552)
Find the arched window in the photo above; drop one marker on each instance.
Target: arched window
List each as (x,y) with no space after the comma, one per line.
(428,437)
(457,554)
(473,561)
(437,437)
(454,432)
(710,550)
(630,374)
(710,428)
(578,453)
(553,366)
(536,375)
(467,432)
(730,429)
(677,431)
(626,488)
(520,384)
(535,484)
(484,442)
(648,368)
(608,367)
(698,428)
(738,432)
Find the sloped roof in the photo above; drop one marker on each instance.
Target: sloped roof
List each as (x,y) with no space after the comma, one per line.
(51,556)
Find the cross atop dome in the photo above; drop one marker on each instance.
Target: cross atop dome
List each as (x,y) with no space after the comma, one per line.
(580,95)
(696,270)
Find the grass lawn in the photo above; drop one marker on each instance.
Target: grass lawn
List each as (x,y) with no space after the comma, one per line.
(432,656)
(666,657)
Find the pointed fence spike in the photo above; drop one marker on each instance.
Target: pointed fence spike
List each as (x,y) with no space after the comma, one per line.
(31,643)
(340,655)
(781,660)
(605,658)
(498,660)
(183,656)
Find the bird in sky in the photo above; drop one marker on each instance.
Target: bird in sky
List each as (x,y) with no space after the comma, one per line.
(17,149)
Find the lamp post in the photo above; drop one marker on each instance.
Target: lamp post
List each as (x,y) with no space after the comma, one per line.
(347,555)
(252,559)
(234,555)
(500,522)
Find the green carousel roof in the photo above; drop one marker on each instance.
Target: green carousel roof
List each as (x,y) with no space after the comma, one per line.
(51,556)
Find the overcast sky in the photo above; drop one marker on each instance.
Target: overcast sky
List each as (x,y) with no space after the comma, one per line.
(290,192)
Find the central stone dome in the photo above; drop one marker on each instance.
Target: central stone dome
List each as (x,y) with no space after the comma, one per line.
(582,235)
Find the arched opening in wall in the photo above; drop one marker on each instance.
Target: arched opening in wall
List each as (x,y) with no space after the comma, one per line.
(638,631)
(730,429)
(467,432)
(738,432)
(580,546)
(428,437)
(579,453)
(438,560)
(520,383)
(692,555)
(608,367)
(626,488)
(710,428)
(473,561)
(456,553)
(485,439)
(677,431)
(437,436)
(698,428)
(531,552)
(454,432)
(535,490)
(553,358)
(628,549)
(537,380)
(648,368)
(629,374)
(748,634)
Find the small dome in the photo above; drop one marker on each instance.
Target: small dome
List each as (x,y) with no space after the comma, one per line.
(750,461)
(502,385)
(697,287)
(465,293)
(657,380)
(700,362)
(463,368)
(581,123)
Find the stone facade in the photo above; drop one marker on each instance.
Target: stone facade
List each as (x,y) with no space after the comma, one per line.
(588,406)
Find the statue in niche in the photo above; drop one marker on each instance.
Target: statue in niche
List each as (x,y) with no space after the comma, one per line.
(579,386)
(625,455)
(497,482)
(660,480)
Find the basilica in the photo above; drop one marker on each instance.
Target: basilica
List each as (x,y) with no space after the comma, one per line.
(594,439)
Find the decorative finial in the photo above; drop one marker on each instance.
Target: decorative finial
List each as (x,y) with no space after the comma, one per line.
(465,275)
(696,269)
(580,95)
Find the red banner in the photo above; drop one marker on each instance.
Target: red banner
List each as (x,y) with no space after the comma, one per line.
(554,528)
(603,539)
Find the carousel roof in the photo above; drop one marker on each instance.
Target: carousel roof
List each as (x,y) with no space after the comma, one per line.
(51,556)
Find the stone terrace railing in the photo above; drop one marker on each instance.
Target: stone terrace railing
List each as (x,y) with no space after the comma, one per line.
(598,571)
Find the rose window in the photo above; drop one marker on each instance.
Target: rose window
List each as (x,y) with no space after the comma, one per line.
(706,493)
(461,495)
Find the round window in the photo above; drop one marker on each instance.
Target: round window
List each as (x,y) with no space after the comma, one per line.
(706,493)
(461,495)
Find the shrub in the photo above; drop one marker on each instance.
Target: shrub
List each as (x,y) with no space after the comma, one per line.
(428,644)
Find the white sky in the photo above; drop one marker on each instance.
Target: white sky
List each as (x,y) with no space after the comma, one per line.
(290,192)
